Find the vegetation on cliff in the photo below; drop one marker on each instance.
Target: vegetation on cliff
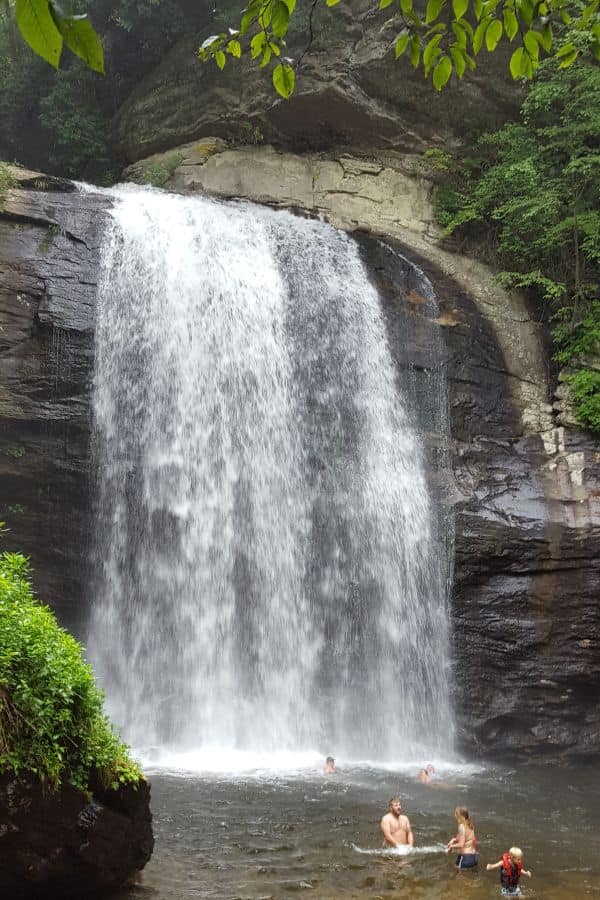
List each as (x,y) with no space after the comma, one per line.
(51,712)
(440,37)
(7,181)
(59,121)
(530,193)
(440,40)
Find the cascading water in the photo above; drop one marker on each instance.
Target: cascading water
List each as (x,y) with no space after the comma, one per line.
(267,574)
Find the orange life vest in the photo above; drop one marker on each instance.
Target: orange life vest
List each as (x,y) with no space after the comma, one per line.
(510,871)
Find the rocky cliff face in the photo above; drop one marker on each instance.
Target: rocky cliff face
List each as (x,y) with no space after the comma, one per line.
(48,270)
(524,490)
(350,94)
(60,844)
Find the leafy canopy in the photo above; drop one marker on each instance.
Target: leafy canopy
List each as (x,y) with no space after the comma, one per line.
(51,712)
(47,25)
(531,193)
(441,39)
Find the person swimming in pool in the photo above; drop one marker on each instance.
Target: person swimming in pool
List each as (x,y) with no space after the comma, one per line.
(329,766)
(395,826)
(425,775)
(465,841)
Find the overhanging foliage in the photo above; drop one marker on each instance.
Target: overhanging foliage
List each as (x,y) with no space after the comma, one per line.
(51,712)
(530,193)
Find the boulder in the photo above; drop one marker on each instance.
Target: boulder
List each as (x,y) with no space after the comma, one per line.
(65,844)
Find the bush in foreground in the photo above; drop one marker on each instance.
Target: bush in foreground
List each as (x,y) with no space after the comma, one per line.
(52,721)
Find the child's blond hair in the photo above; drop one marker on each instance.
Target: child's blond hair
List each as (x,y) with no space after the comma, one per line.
(516,852)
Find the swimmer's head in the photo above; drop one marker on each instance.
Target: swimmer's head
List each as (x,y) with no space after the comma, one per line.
(430,769)
(330,760)
(395,805)
(461,814)
(516,854)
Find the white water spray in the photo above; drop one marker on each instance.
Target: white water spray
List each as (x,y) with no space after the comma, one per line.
(267,575)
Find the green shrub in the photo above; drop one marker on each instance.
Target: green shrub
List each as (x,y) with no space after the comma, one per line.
(51,712)
(159,173)
(528,197)
(7,180)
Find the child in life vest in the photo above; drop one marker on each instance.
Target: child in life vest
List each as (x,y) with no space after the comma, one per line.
(511,869)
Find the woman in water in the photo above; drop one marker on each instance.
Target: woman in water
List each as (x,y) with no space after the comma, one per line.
(465,841)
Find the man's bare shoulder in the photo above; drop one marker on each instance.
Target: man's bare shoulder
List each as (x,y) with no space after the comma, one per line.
(404,823)
(388,817)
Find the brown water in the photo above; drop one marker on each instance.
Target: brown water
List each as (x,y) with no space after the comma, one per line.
(253,838)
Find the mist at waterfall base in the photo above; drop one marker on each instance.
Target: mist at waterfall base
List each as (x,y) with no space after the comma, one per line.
(269,586)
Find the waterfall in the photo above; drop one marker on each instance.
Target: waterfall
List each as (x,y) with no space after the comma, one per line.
(267,574)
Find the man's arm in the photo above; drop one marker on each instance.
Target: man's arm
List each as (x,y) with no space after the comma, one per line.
(491,866)
(387,833)
(409,835)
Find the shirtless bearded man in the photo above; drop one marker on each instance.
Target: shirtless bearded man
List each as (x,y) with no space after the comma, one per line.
(396,827)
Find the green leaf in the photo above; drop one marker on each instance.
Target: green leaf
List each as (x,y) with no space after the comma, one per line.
(431,51)
(257,44)
(478,9)
(39,29)
(247,20)
(383,4)
(545,37)
(415,51)
(515,62)
(527,11)
(511,23)
(266,58)
(479,36)
(460,62)
(406,6)
(332,2)
(234,48)
(280,20)
(460,34)
(291,5)
(80,37)
(531,45)
(565,51)
(442,73)
(401,43)
(489,7)
(284,80)
(493,34)
(569,59)
(433,9)
(526,65)
(220,59)
(460,7)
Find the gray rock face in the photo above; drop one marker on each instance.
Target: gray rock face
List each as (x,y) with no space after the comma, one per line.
(60,844)
(525,491)
(48,270)
(350,93)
